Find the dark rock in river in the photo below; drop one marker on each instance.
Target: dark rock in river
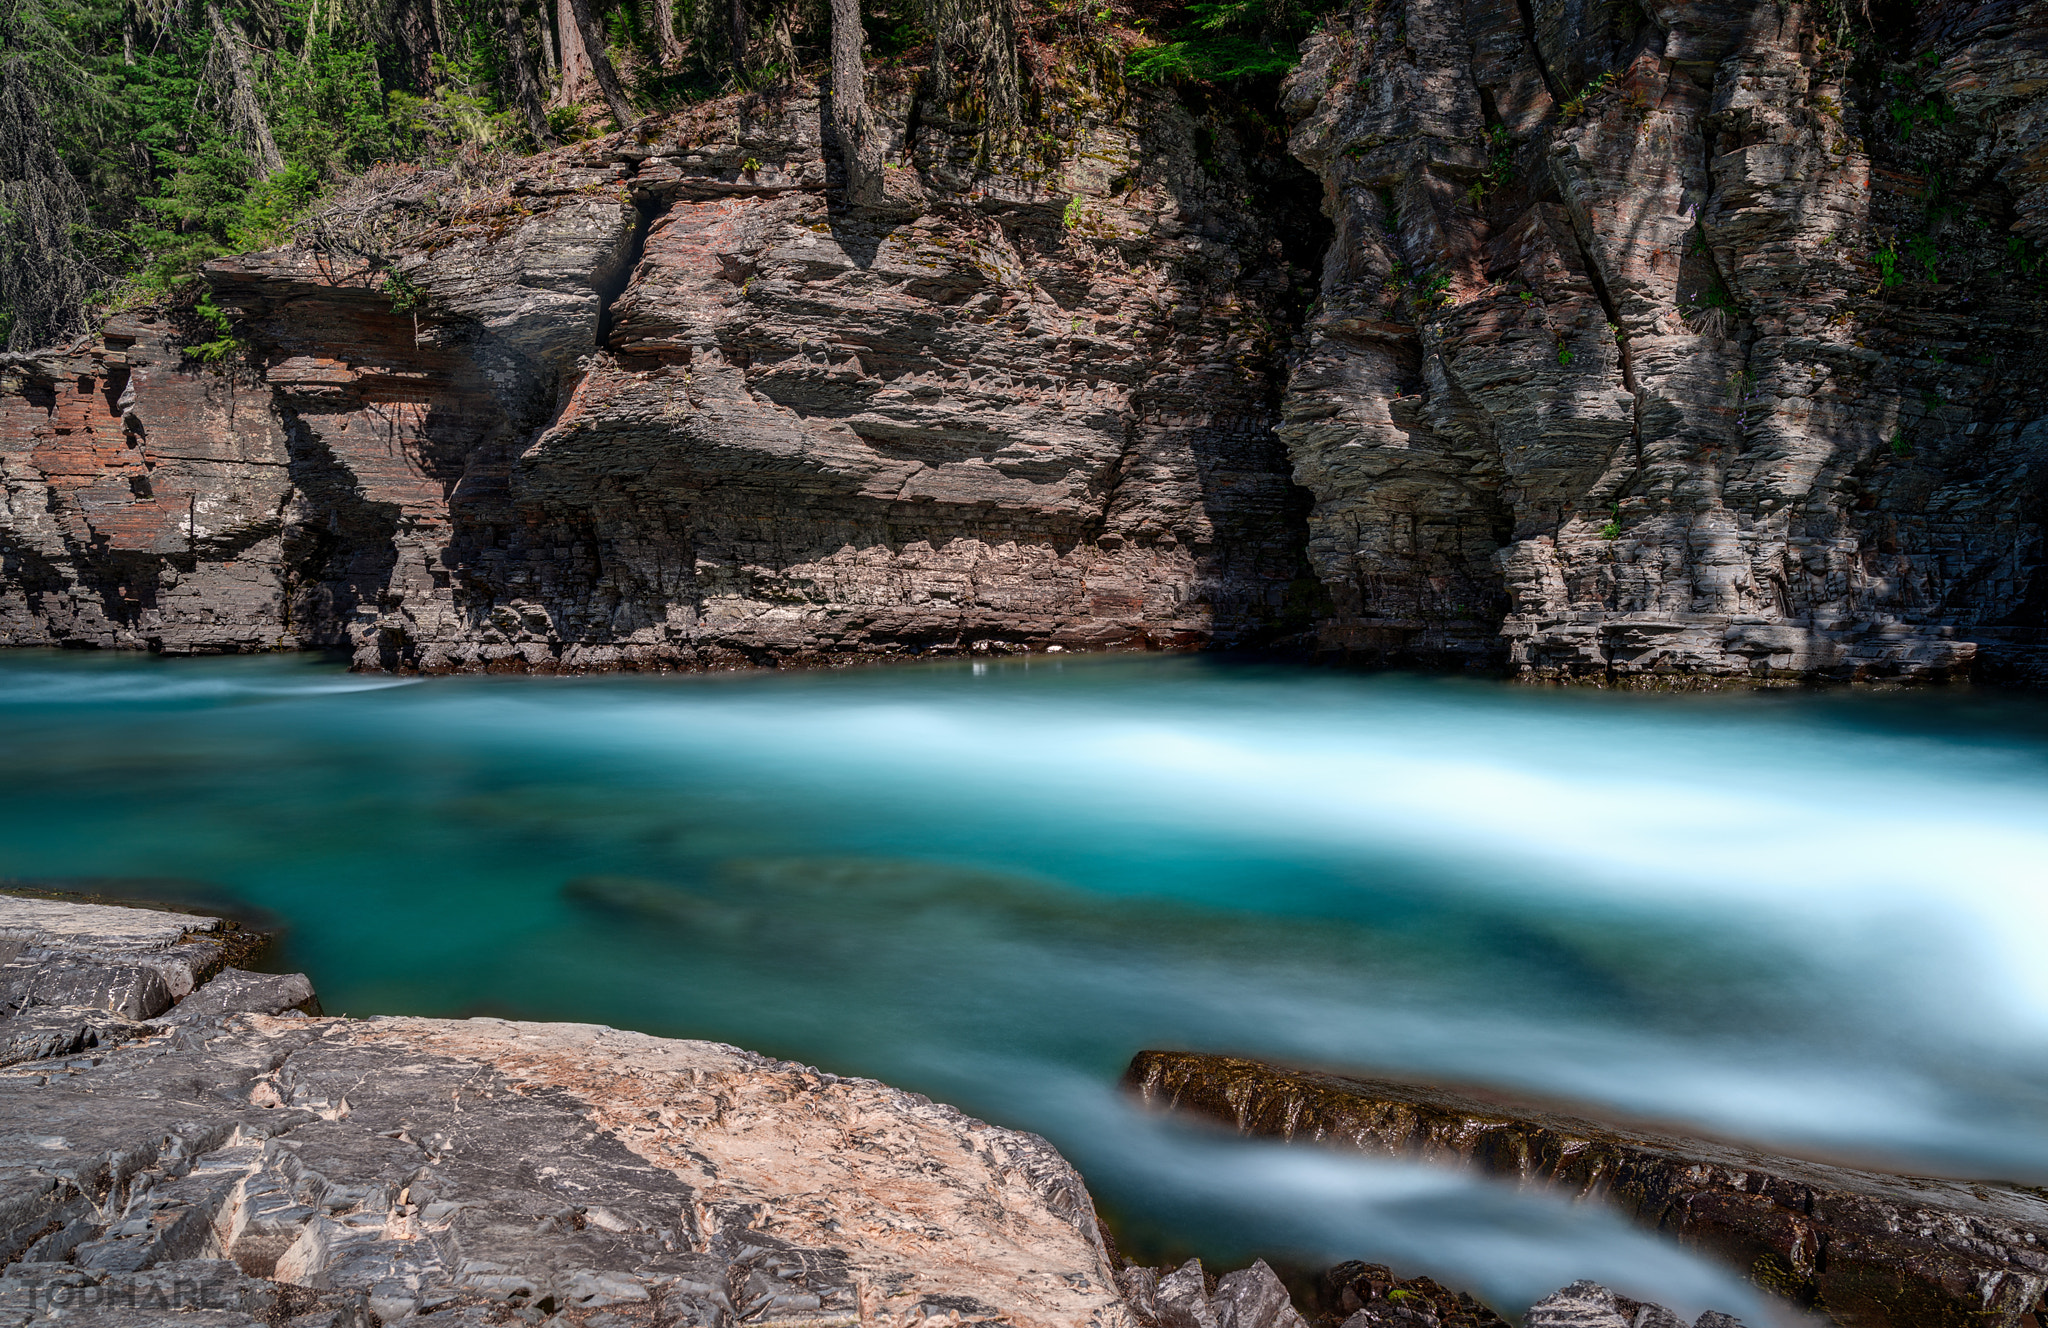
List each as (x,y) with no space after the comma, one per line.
(1369,1295)
(1863,1248)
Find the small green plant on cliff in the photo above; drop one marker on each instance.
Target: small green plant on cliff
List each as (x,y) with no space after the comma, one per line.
(1575,105)
(1564,356)
(406,298)
(1074,214)
(1500,164)
(1612,530)
(1899,445)
(225,344)
(1925,252)
(405,293)
(1709,312)
(1916,100)
(750,165)
(1886,256)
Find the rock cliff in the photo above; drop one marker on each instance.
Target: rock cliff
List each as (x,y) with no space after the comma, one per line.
(1700,338)
(662,400)
(1680,337)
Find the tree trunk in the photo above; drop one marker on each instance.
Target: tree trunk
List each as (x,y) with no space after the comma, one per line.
(601,64)
(247,109)
(661,16)
(856,128)
(546,27)
(439,26)
(869,182)
(575,62)
(739,38)
(524,90)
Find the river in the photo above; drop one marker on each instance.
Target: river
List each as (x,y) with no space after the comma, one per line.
(1809,920)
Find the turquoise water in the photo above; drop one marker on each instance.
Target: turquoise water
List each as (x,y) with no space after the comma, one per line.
(1808,920)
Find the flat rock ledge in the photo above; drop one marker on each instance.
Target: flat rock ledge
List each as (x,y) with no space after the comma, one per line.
(217,1158)
(1861,1248)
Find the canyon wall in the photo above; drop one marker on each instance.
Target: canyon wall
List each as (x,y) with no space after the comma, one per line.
(662,400)
(1679,341)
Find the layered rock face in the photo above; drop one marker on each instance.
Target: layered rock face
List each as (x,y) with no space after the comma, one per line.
(662,400)
(1679,339)
(142,504)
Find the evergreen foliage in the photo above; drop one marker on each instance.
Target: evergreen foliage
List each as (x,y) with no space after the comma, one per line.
(1226,41)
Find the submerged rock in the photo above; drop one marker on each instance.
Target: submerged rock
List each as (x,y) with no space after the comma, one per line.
(1861,1247)
(235,1168)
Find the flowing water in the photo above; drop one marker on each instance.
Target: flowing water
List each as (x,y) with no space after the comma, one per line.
(1809,920)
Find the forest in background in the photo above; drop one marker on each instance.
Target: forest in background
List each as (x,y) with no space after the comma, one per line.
(139,138)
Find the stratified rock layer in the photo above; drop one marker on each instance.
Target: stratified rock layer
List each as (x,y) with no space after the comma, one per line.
(663,401)
(1865,1249)
(1668,342)
(237,1168)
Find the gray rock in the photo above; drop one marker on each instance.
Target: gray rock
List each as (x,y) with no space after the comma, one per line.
(236,991)
(227,1167)
(1590,1305)
(1182,1298)
(1254,1298)
(43,1031)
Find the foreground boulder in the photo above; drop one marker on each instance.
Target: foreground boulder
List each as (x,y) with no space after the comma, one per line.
(256,1168)
(73,975)
(1188,1297)
(1860,1247)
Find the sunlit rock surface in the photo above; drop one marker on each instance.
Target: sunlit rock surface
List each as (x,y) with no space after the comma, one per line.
(662,401)
(1589,1305)
(262,1167)
(1859,1247)
(1607,379)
